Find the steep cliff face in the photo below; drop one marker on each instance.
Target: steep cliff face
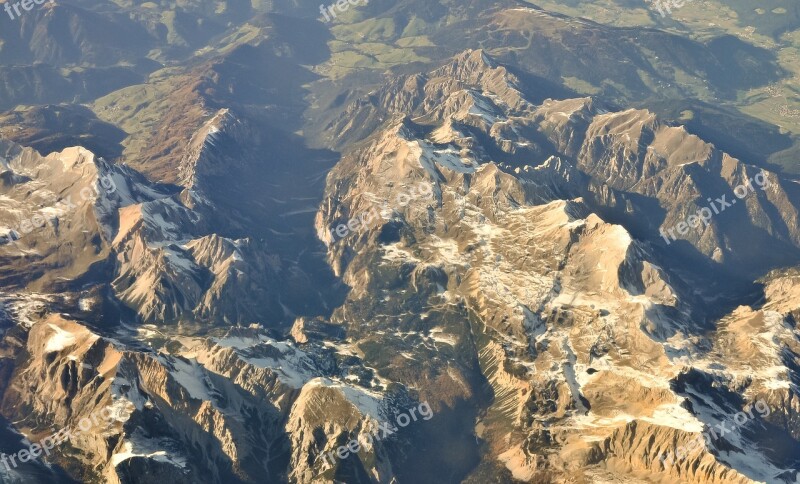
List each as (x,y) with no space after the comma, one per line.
(238,407)
(541,230)
(512,257)
(634,168)
(62,214)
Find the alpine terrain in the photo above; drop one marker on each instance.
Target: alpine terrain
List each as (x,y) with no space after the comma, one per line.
(399,241)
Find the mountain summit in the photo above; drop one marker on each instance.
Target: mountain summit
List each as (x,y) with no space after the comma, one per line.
(422,241)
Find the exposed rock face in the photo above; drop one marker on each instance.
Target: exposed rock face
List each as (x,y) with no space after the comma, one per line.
(600,354)
(232,408)
(515,276)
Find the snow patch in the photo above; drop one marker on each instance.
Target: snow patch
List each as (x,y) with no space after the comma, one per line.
(59,340)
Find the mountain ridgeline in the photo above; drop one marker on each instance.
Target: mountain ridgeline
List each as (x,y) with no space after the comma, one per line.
(173,177)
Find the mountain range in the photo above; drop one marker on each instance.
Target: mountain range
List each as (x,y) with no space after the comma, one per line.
(190,162)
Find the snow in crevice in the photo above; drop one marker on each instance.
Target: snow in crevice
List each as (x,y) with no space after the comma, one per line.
(59,340)
(367,402)
(448,157)
(293,366)
(126,398)
(141,445)
(569,375)
(483,108)
(193,377)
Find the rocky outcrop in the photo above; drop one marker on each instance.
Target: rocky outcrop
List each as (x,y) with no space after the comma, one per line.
(543,226)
